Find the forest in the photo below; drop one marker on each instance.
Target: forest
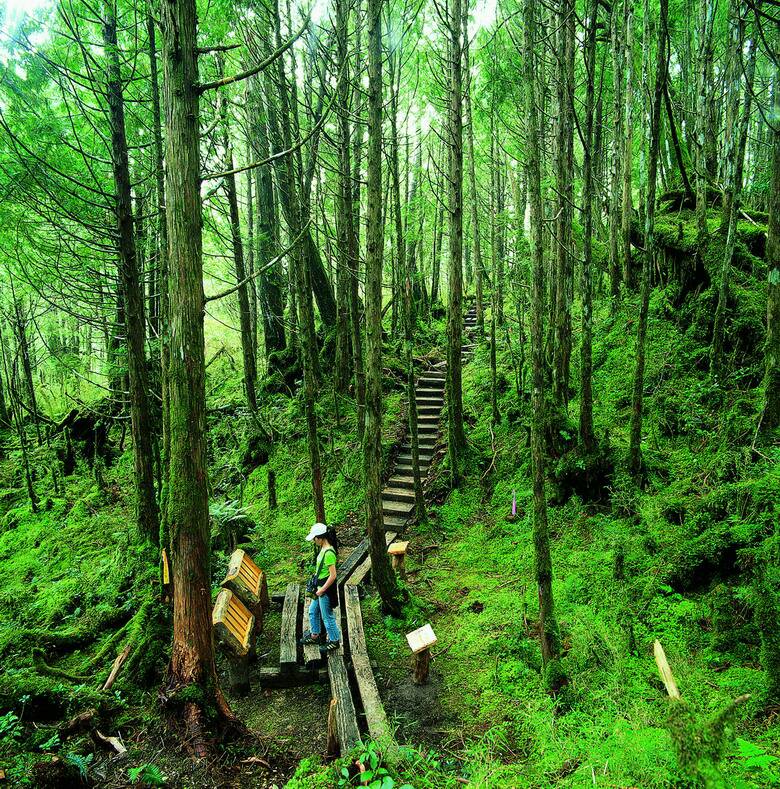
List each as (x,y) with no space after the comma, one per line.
(485,297)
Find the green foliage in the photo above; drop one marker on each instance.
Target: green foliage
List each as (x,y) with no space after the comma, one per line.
(147,775)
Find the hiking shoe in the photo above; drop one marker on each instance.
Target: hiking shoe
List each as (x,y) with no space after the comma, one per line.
(309,639)
(332,646)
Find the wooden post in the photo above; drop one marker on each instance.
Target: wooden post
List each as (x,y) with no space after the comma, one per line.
(238,672)
(397,553)
(333,737)
(420,642)
(422,663)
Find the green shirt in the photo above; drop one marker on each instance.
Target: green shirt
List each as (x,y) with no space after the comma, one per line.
(325,560)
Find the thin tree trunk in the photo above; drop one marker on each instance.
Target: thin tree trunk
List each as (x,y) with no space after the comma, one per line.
(635,443)
(628,151)
(771,414)
(381,571)
(456,436)
(244,312)
(586,347)
(618,143)
(133,290)
(736,141)
(548,628)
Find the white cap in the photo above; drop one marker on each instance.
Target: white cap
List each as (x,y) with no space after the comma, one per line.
(318,530)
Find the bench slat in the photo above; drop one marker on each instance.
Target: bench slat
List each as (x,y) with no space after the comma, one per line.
(362,571)
(233,622)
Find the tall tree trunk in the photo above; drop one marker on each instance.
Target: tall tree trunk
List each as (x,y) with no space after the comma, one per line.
(192,656)
(26,357)
(244,313)
(771,415)
(161,278)
(564,265)
(381,571)
(635,443)
(133,290)
(345,228)
(456,435)
(586,347)
(270,281)
(628,152)
(473,203)
(548,627)
(615,197)
(736,141)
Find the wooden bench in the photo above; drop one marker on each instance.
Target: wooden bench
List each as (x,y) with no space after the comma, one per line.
(234,627)
(420,642)
(245,579)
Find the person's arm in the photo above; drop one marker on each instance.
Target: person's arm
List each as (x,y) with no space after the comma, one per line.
(331,579)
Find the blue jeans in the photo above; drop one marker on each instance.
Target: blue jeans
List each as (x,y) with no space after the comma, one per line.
(320,610)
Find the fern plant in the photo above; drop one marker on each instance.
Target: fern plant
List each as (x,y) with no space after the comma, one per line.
(147,775)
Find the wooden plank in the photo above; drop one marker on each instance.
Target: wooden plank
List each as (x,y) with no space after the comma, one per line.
(357,638)
(311,652)
(665,671)
(362,571)
(374,710)
(288,644)
(422,638)
(346,718)
(353,560)
(273,677)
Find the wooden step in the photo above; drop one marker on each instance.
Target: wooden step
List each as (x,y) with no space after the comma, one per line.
(398,508)
(394,522)
(406,470)
(430,381)
(401,481)
(288,641)
(428,393)
(405,459)
(397,494)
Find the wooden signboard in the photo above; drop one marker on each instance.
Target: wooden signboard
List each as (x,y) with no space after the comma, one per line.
(233,622)
(422,638)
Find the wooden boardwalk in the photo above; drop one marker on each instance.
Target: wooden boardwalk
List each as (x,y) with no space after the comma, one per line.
(349,666)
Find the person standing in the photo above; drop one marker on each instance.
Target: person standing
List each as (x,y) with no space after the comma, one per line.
(323,588)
